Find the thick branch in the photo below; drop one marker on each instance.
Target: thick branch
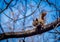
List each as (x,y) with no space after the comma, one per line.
(28,33)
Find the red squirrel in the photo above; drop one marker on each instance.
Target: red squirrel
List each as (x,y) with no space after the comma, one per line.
(40,20)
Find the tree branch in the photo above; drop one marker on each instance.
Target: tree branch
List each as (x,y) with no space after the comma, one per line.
(1,28)
(32,32)
(6,6)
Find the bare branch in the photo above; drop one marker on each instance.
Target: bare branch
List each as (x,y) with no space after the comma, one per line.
(1,28)
(31,13)
(32,32)
(6,6)
(55,32)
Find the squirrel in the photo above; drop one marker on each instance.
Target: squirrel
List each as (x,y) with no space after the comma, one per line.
(40,20)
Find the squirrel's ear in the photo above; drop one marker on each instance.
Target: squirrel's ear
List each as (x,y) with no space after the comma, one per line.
(36,19)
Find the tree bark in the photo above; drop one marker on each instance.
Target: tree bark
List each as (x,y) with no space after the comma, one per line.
(32,32)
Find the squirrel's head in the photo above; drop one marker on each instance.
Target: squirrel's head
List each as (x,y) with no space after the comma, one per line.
(35,22)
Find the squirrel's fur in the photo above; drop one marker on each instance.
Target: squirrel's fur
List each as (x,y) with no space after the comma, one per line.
(40,20)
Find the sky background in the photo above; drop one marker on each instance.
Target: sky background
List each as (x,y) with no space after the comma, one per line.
(12,19)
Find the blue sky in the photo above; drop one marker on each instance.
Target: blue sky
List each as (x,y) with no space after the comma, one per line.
(19,9)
